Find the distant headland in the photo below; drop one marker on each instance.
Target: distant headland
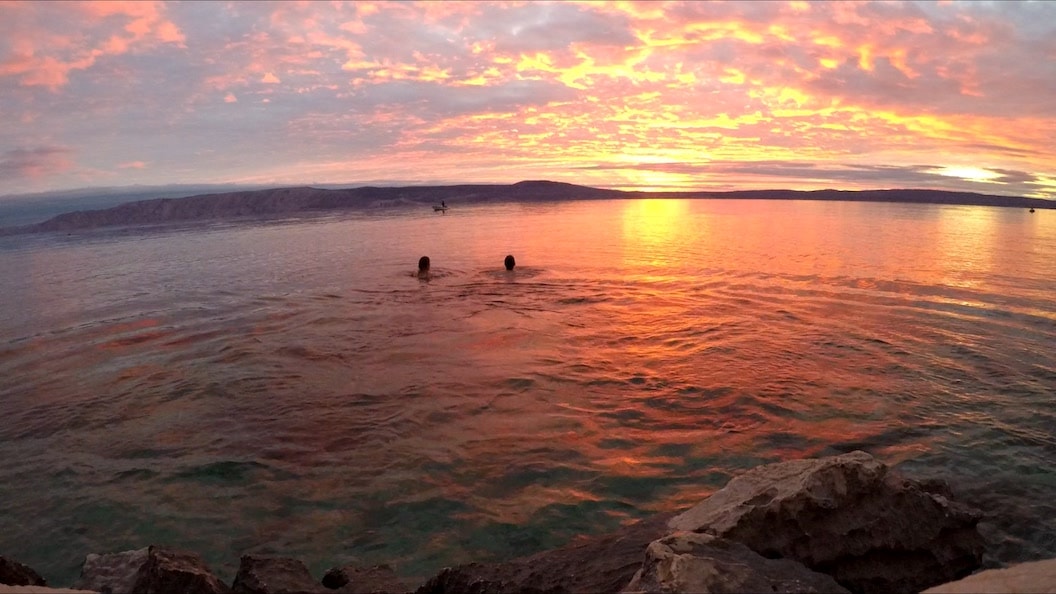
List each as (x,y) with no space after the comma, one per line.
(298,200)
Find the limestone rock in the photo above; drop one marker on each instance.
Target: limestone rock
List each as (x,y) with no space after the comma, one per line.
(692,562)
(14,573)
(848,517)
(114,572)
(356,579)
(1035,577)
(152,570)
(274,575)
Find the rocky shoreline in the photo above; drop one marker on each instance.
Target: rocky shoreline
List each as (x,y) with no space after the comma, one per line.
(838,524)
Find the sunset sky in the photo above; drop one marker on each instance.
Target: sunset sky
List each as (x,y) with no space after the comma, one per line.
(650,95)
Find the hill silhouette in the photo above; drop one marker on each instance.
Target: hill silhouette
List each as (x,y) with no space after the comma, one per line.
(289,201)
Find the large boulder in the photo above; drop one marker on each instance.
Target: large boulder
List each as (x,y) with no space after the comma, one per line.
(356,579)
(152,570)
(1035,577)
(14,573)
(274,575)
(693,562)
(848,517)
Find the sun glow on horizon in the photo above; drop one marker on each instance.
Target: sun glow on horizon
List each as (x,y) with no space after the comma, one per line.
(975,174)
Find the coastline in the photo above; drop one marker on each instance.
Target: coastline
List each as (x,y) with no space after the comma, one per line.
(843,523)
(287,201)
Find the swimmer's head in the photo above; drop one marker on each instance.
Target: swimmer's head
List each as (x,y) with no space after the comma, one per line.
(509,262)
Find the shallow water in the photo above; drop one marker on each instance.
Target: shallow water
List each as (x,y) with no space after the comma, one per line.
(291,388)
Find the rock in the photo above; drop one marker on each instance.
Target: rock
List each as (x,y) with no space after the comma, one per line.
(40,590)
(274,575)
(355,579)
(14,573)
(597,564)
(848,517)
(692,562)
(1035,577)
(114,572)
(152,570)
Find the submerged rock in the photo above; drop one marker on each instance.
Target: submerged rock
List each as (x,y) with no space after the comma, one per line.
(274,575)
(848,517)
(693,562)
(152,570)
(597,564)
(13,573)
(356,579)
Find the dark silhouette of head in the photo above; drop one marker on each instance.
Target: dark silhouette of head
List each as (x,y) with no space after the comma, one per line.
(423,264)
(509,262)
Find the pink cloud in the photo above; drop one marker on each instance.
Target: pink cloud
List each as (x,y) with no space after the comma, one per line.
(36,162)
(132,165)
(47,41)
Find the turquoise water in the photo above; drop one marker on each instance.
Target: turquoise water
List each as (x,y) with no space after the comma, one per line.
(291,388)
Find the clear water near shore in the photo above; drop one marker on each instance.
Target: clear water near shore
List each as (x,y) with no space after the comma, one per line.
(289,388)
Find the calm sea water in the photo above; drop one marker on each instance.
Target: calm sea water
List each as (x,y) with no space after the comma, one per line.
(290,388)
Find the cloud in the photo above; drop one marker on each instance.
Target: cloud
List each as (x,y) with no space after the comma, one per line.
(437,100)
(34,162)
(546,27)
(132,165)
(699,92)
(44,43)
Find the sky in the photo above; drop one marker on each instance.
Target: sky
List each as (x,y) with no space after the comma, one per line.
(628,95)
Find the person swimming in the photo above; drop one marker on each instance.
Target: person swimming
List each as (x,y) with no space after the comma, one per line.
(423,267)
(509,262)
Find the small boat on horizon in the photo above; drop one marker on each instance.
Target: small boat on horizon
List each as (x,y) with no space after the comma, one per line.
(439,208)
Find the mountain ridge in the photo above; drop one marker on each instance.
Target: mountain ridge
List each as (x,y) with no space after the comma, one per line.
(307,199)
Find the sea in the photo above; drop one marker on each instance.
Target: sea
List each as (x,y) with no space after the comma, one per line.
(290,387)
